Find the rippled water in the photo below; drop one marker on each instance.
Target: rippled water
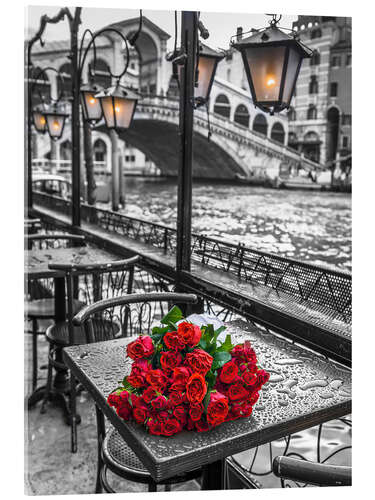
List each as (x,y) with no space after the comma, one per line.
(311,226)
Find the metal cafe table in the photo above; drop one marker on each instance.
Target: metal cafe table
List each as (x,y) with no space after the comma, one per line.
(305,389)
(37,267)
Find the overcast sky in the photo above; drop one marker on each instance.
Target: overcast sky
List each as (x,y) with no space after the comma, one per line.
(220,25)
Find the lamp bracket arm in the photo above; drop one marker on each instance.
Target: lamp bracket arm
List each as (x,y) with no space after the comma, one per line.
(203,30)
(133,39)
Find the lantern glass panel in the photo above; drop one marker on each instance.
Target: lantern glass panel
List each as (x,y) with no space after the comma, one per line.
(107,107)
(55,125)
(124,109)
(206,66)
(39,121)
(91,106)
(266,68)
(291,74)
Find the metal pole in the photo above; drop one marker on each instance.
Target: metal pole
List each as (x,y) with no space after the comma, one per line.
(75,122)
(189,25)
(121,181)
(29,190)
(115,170)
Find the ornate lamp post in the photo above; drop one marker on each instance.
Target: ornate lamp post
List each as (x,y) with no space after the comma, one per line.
(272,61)
(118,106)
(208,59)
(92,110)
(39,120)
(55,119)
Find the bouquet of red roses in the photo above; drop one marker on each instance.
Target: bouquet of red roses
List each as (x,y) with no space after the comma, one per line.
(183,377)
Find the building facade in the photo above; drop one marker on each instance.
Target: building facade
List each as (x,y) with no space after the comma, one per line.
(321,110)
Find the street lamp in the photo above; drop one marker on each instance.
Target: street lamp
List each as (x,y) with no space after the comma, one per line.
(272,61)
(55,119)
(39,120)
(92,110)
(208,59)
(118,105)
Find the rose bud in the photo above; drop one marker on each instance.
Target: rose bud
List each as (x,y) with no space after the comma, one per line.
(189,333)
(170,360)
(196,411)
(199,361)
(228,372)
(196,388)
(173,341)
(217,409)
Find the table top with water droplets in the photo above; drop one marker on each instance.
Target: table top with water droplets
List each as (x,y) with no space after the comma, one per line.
(305,389)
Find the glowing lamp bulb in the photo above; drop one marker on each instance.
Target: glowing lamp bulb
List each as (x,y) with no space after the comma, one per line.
(92,100)
(42,120)
(270,81)
(117,109)
(56,125)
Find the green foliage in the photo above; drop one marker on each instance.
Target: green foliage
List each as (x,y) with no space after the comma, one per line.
(220,358)
(226,345)
(174,315)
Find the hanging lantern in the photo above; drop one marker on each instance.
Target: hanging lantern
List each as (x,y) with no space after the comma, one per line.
(92,110)
(39,120)
(118,105)
(55,122)
(207,64)
(272,61)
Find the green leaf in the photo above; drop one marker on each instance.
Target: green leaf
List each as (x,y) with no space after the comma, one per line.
(202,344)
(220,358)
(211,380)
(174,315)
(206,400)
(226,345)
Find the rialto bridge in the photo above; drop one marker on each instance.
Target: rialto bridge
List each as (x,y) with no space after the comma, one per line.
(244,141)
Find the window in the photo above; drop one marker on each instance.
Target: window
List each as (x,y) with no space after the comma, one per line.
(316,33)
(312,112)
(277,133)
(228,74)
(222,106)
(132,158)
(241,115)
(260,124)
(333,91)
(292,115)
(348,59)
(313,86)
(345,141)
(346,119)
(336,61)
(229,56)
(315,58)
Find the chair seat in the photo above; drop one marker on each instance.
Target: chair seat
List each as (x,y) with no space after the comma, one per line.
(121,459)
(103,330)
(45,308)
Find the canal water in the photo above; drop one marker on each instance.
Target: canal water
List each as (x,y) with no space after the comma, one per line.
(306,225)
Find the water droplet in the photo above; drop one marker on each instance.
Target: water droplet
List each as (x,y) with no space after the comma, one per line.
(288,361)
(314,383)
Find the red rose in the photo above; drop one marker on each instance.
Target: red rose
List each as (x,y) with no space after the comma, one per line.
(148,395)
(243,353)
(170,427)
(139,414)
(170,360)
(199,361)
(202,425)
(154,426)
(175,399)
(124,410)
(229,372)
(237,392)
(196,411)
(217,409)
(163,416)
(180,414)
(189,333)
(141,367)
(262,378)
(196,388)
(135,380)
(159,403)
(113,399)
(249,379)
(253,398)
(157,379)
(136,400)
(180,377)
(173,341)
(142,347)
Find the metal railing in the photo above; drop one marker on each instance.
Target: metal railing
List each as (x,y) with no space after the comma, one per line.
(320,285)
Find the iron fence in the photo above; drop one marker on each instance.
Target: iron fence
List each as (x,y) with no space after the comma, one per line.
(306,282)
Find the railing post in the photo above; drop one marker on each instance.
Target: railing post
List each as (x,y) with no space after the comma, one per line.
(189,25)
(75,123)
(115,170)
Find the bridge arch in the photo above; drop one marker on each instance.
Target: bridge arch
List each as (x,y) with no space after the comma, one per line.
(147,50)
(222,106)
(260,124)
(278,132)
(242,115)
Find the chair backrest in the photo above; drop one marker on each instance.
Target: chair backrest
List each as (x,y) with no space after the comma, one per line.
(128,315)
(94,282)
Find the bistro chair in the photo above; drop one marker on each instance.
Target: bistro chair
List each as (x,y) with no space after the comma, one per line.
(307,472)
(133,314)
(40,302)
(89,284)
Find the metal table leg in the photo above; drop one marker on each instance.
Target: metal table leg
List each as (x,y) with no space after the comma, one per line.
(213,475)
